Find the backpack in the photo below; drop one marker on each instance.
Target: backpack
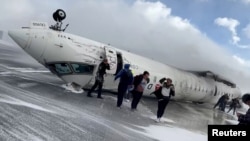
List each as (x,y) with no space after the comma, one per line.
(157,93)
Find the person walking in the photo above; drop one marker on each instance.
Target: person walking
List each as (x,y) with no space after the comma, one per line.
(164,94)
(99,79)
(140,82)
(233,105)
(126,79)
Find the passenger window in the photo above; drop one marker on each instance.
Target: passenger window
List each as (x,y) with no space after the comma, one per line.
(82,68)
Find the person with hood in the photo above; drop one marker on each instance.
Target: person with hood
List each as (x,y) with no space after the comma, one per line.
(126,79)
(163,94)
(128,92)
(245,119)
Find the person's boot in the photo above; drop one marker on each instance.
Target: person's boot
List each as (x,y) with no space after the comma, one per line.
(100,97)
(89,95)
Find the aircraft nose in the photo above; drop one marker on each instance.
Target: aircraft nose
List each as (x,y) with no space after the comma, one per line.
(21,37)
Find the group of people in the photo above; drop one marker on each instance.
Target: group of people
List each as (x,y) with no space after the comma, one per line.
(222,102)
(244,119)
(134,85)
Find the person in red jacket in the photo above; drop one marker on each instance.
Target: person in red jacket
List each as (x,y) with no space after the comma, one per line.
(140,82)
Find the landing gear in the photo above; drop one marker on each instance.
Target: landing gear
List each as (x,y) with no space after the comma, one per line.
(59,16)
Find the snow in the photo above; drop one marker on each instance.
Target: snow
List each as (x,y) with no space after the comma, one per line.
(14,101)
(33,70)
(162,119)
(26,69)
(5,73)
(70,88)
(170,133)
(26,85)
(233,122)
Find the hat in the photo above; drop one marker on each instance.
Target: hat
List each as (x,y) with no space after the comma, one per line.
(126,66)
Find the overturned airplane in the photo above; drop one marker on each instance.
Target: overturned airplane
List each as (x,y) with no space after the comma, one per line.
(75,60)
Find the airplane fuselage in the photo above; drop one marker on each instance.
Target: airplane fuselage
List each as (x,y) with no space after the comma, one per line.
(75,60)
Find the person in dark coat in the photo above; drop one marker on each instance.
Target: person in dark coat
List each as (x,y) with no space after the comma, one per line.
(99,79)
(126,79)
(245,119)
(233,105)
(221,101)
(163,95)
(140,82)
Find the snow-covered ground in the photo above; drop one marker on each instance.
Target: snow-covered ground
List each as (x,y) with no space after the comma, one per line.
(36,105)
(166,133)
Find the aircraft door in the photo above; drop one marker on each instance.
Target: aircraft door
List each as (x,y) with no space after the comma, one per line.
(111,55)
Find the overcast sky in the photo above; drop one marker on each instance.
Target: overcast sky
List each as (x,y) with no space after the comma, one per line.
(189,34)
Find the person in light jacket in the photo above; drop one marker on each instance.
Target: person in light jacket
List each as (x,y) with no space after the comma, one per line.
(163,95)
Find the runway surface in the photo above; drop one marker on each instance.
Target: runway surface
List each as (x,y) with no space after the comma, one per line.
(34,106)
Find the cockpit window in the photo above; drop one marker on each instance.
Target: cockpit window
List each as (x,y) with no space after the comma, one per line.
(60,68)
(70,68)
(82,68)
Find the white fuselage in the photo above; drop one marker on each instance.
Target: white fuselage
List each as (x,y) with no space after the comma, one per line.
(75,59)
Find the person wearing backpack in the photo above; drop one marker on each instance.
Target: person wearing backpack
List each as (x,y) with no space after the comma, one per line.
(140,82)
(163,95)
(126,79)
